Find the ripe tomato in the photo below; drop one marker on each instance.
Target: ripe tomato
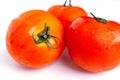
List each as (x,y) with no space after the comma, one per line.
(35,38)
(57,9)
(67,14)
(94,43)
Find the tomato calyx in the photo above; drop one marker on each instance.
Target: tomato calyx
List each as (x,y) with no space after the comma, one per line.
(44,36)
(65,3)
(99,19)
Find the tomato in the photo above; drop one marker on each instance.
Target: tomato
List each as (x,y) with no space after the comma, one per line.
(67,14)
(94,43)
(57,9)
(35,38)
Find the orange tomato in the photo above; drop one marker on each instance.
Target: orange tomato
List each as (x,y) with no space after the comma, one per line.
(67,14)
(35,38)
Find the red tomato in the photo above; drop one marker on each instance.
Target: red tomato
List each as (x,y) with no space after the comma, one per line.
(67,14)
(35,38)
(94,43)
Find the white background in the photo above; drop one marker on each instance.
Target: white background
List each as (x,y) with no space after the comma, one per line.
(62,69)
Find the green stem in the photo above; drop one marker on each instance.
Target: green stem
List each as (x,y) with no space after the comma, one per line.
(99,19)
(70,3)
(43,37)
(65,3)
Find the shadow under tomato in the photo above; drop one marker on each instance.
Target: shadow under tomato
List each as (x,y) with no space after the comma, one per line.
(67,61)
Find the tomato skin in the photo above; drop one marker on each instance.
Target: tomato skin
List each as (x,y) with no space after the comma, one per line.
(21,45)
(67,14)
(94,46)
(56,10)
(70,13)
